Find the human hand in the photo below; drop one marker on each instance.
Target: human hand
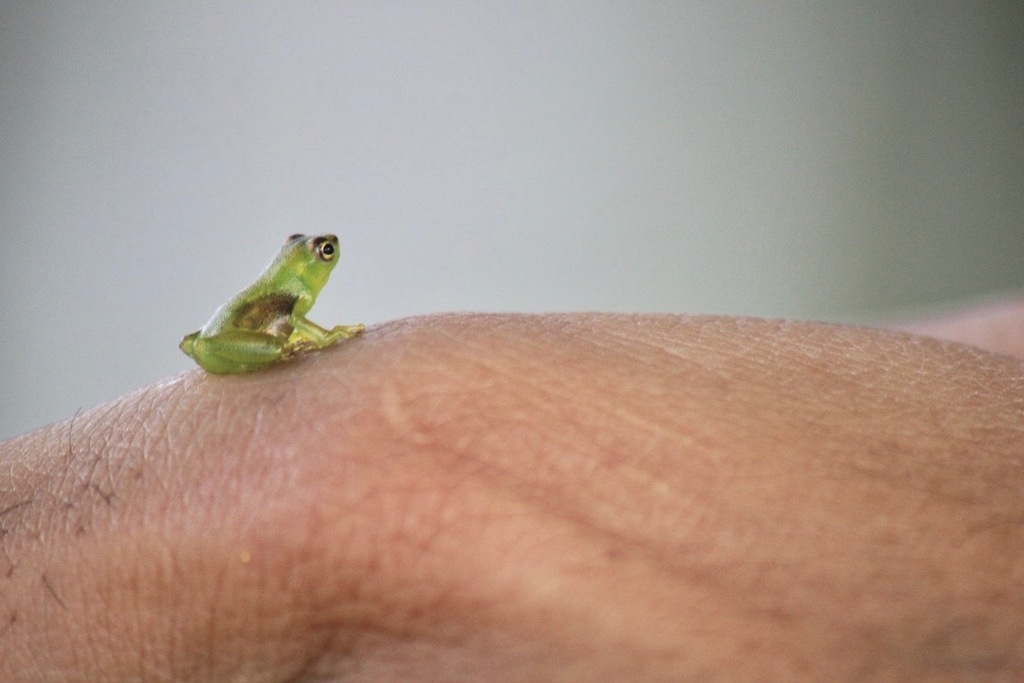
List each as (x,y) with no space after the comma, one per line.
(996,327)
(563,497)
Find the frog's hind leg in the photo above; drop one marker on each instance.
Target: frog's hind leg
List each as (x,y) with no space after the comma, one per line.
(236,351)
(188,343)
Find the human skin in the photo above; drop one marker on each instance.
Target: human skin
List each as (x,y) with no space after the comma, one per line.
(558,497)
(997,326)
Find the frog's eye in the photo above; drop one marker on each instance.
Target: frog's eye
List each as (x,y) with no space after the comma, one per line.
(325,250)
(296,236)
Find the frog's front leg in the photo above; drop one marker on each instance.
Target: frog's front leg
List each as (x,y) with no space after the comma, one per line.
(308,336)
(234,351)
(347,331)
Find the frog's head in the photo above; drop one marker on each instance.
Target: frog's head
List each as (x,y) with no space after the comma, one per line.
(311,258)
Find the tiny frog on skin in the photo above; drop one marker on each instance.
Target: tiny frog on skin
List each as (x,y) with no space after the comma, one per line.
(266,322)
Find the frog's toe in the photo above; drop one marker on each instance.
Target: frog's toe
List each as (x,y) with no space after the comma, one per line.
(349,331)
(298,347)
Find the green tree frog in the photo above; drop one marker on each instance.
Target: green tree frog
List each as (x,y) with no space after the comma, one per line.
(266,322)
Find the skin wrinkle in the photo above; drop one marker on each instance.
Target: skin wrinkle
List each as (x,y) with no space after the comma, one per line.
(559,394)
(403,374)
(425,429)
(399,408)
(381,618)
(418,632)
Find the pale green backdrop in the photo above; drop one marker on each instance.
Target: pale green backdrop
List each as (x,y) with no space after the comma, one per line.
(818,160)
